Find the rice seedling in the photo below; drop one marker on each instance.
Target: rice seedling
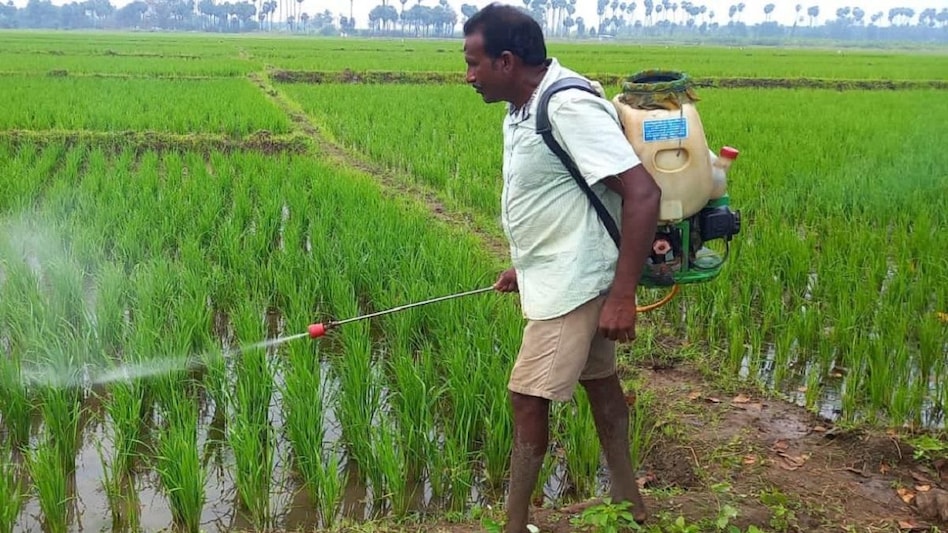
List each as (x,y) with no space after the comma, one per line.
(145,67)
(578,436)
(414,401)
(177,461)
(330,493)
(50,478)
(123,407)
(462,423)
(642,426)
(498,441)
(61,411)
(438,56)
(250,433)
(394,480)
(253,462)
(118,478)
(13,491)
(156,280)
(134,104)
(307,396)
(15,404)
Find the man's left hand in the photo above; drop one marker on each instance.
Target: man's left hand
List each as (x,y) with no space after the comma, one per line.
(617,319)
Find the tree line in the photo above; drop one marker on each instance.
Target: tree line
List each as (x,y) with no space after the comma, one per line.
(177,15)
(615,19)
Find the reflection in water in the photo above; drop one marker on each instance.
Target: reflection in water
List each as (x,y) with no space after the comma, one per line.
(820,387)
(140,503)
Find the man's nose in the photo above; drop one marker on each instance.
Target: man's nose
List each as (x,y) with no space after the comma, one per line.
(470,76)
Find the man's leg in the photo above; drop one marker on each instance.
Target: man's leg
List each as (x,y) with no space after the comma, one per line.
(552,357)
(531,437)
(611,414)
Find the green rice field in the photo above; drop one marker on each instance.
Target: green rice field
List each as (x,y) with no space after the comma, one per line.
(145,288)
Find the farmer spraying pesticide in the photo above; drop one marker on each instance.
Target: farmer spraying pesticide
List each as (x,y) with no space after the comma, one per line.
(577,289)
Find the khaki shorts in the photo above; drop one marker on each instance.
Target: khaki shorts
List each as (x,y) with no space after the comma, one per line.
(556,353)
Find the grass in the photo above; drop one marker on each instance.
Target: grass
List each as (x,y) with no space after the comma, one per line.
(12,490)
(50,478)
(308,396)
(226,55)
(177,461)
(835,243)
(581,448)
(231,107)
(624,58)
(165,248)
(251,435)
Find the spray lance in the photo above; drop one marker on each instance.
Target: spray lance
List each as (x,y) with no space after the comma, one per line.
(321,328)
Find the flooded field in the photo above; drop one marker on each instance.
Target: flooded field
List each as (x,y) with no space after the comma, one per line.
(159,270)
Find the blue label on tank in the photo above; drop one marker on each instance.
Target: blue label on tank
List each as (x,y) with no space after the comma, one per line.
(665,129)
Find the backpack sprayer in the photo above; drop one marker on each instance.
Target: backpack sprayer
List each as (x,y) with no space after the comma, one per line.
(661,121)
(658,115)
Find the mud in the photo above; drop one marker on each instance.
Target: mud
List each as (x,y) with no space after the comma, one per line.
(393,77)
(781,467)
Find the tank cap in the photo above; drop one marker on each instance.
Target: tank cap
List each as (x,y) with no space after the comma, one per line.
(728,152)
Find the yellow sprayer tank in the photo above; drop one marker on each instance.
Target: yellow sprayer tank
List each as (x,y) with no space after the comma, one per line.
(657,110)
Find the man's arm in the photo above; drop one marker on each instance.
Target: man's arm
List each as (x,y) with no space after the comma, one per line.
(641,198)
(589,130)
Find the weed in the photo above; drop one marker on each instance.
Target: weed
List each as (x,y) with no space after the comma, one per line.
(927,447)
(607,517)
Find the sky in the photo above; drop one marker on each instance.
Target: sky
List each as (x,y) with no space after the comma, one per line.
(753,11)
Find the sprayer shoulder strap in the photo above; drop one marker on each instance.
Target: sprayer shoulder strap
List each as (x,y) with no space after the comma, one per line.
(545,129)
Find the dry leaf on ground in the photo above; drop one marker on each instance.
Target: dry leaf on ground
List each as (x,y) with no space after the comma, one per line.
(792,462)
(906,494)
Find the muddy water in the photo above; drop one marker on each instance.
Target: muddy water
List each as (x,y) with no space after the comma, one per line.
(89,505)
(291,506)
(829,404)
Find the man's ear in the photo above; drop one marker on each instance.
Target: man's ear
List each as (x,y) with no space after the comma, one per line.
(507,60)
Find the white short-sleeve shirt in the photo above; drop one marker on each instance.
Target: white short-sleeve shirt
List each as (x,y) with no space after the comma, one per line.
(561,251)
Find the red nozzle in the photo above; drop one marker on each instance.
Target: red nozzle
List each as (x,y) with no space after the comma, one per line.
(316,330)
(729,152)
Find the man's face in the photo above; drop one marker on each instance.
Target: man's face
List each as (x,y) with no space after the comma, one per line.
(487,76)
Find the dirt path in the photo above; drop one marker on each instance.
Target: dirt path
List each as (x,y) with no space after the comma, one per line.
(756,461)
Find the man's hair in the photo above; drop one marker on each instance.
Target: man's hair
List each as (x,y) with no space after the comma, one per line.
(506,27)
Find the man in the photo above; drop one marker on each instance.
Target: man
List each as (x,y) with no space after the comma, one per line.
(576,289)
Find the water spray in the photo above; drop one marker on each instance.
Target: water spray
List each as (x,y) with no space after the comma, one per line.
(314,331)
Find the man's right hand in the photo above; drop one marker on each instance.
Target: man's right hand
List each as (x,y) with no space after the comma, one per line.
(507,282)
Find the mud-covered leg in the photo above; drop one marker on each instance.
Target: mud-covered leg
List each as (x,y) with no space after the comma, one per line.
(531,438)
(611,415)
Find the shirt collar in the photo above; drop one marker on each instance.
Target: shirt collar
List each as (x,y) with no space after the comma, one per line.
(529,108)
